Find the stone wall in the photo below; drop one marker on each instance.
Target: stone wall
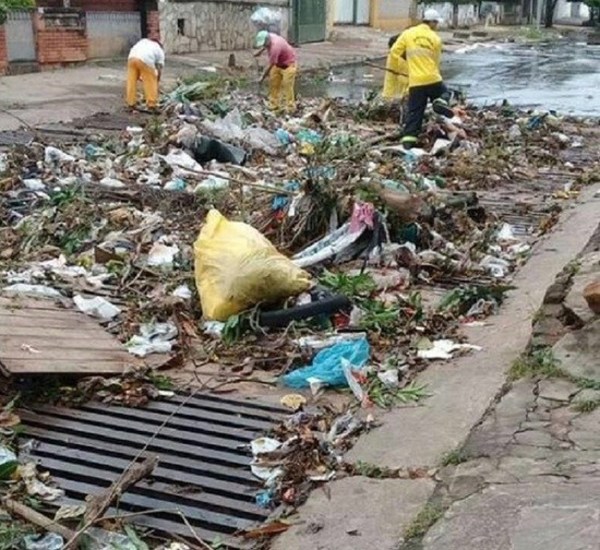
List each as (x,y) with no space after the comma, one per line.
(213,25)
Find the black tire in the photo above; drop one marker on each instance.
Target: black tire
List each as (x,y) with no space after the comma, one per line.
(281,318)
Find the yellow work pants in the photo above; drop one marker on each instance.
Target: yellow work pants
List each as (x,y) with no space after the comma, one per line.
(138,70)
(282,83)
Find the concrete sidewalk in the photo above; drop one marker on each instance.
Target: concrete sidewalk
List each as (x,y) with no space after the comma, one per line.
(361,512)
(66,94)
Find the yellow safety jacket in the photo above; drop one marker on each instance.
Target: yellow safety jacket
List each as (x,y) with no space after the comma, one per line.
(422,48)
(395,86)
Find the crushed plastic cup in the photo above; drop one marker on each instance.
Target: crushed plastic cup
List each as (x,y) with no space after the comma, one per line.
(389,378)
(176,184)
(444,349)
(153,338)
(260,446)
(183,292)
(49,541)
(97,307)
(113,183)
(53,155)
(34,184)
(100,539)
(162,255)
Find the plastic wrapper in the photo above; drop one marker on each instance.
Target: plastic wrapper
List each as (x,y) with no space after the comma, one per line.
(266,19)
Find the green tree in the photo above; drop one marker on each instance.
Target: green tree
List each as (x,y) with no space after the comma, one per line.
(594,6)
(8,5)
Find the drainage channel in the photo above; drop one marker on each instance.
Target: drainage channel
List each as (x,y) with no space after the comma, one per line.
(203,473)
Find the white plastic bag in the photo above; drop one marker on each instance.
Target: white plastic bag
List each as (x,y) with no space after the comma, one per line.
(96,307)
(267,19)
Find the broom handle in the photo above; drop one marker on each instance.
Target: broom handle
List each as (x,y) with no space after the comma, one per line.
(374,65)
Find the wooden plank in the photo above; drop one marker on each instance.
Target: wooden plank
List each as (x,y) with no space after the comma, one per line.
(64,314)
(54,332)
(61,355)
(55,341)
(54,367)
(67,340)
(26,303)
(58,323)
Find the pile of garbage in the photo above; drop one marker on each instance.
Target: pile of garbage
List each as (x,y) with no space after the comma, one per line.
(312,247)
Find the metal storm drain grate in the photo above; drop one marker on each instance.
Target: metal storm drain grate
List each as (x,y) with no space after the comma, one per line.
(203,471)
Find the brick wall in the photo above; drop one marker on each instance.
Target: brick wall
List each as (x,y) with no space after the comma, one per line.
(3,55)
(58,44)
(153,24)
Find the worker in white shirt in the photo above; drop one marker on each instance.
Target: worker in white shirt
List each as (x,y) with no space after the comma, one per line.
(145,63)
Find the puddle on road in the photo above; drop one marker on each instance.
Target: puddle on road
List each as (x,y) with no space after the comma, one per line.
(564,76)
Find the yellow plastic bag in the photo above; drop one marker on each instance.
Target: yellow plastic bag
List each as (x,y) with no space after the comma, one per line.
(236,268)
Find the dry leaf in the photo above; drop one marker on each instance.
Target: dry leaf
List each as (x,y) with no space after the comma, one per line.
(293,401)
(267,530)
(9,419)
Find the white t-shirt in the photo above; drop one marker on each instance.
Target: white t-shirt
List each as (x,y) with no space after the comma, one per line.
(149,52)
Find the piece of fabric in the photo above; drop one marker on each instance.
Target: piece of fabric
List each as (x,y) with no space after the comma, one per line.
(395,86)
(363,215)
(281,85)
(422,48)
(281,54)
(138,70)
(148,52)
(418,96)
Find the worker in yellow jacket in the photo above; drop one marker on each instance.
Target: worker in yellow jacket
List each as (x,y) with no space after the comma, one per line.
(395,82)
(422,48)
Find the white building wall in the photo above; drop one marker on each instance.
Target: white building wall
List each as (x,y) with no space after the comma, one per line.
(571,10)
(467,13)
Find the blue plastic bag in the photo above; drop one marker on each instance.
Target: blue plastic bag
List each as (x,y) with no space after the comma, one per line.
(281,201)
(284,137)
(327,364)
(306,135)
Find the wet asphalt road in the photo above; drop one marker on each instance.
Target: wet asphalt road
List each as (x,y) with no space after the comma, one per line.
(562,76)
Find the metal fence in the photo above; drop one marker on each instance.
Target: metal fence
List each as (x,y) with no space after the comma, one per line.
(111,34)
(20,39)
